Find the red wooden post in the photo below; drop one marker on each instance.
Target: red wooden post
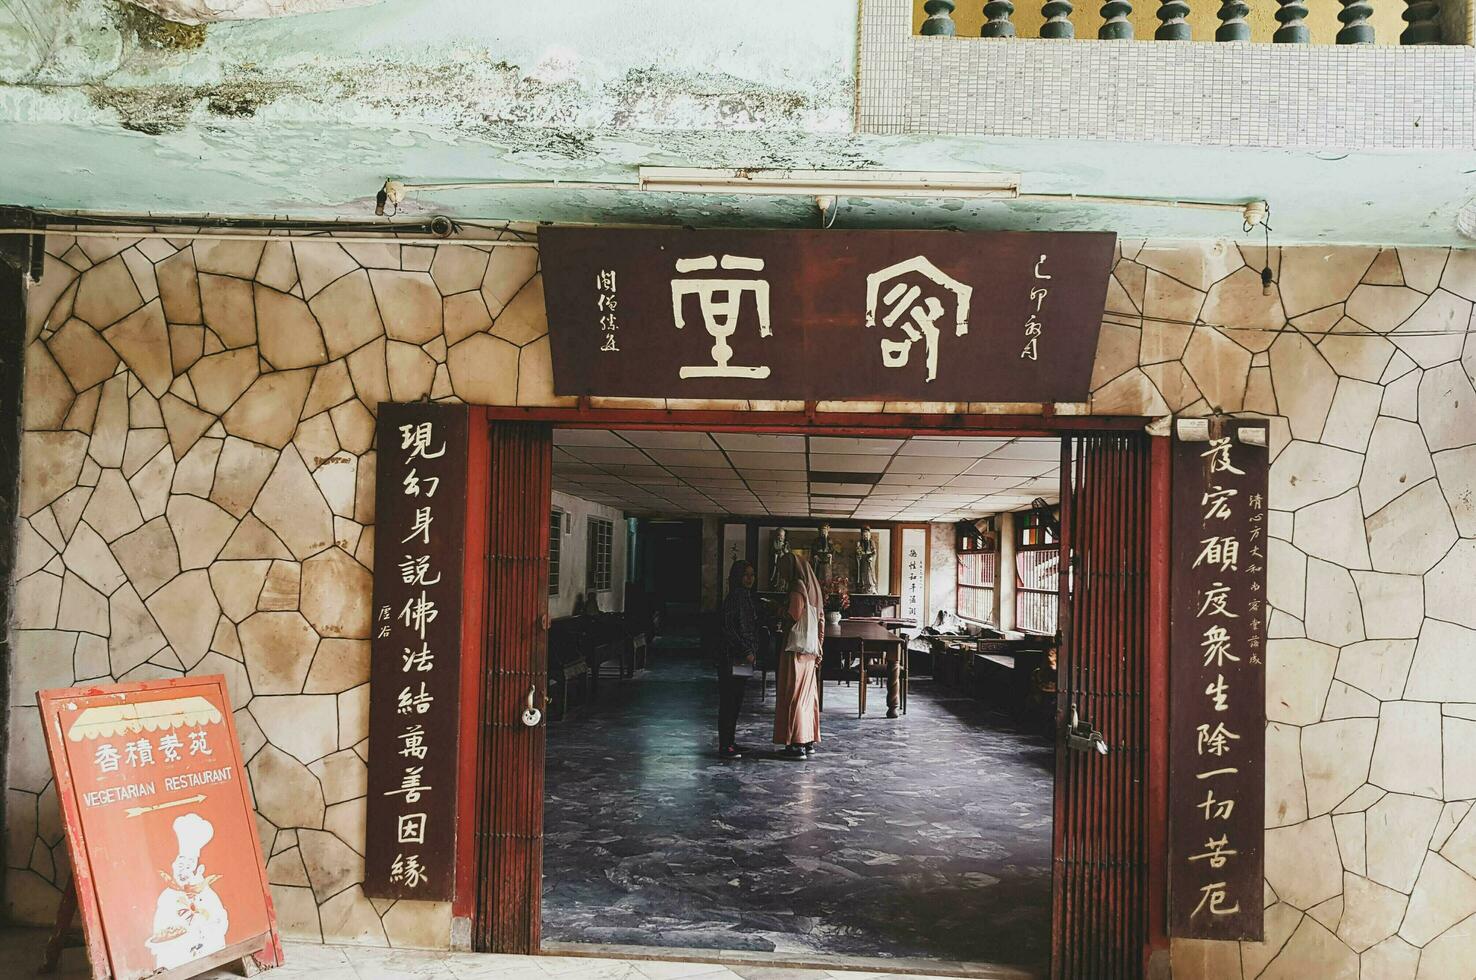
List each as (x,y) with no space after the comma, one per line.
(1160,493)
(508,819)
(473,659)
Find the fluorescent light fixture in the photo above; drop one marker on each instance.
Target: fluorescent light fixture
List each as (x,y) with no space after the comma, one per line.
(837,183)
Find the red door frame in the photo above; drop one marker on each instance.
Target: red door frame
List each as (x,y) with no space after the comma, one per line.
(811,422)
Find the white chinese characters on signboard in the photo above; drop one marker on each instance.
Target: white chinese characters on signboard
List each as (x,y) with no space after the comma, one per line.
(720,299)
(912,299)
(915,313)
(605,305)
(1033,325)
(1228,642)
(418,441)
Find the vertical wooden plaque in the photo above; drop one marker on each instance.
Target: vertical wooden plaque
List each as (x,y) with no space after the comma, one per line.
(415,652)
(1217,721)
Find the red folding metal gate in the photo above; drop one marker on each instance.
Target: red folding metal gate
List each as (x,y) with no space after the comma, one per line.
(509,823)
(1100,902)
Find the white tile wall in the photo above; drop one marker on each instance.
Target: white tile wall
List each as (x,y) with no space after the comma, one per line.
(1356,96)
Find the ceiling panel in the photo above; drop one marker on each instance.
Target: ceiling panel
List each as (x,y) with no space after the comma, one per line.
(913,480)
(668,440)
(690,473)
(608,454)
(856,489)
(848,462)
(635,472)
(1009,467)
(693,472)
(985,483)
(587,437)
(759,442)
(1030,449)
(716,482)
(844,445)
(973,448)
(768,461)
(688,457)
(575,469)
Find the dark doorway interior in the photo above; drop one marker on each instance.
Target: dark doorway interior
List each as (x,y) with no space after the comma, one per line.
(670,559)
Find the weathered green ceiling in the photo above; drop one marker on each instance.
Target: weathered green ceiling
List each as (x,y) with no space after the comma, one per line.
(105,107)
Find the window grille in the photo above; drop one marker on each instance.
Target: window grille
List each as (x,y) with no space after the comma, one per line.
(601,535)
(555,540)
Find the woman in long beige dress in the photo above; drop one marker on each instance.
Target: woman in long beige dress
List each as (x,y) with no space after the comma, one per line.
(797,708)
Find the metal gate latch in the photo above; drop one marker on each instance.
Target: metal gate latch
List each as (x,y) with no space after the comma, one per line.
(532,716)
(1082,737)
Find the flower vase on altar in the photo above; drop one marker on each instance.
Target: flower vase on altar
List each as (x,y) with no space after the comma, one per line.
(837,599)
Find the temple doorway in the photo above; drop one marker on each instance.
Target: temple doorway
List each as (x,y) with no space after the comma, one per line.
(925,837)
(933,840)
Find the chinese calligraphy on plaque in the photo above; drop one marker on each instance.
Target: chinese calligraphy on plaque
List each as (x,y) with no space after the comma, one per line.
(1033,325)
(1217,702)
(914,313)
(605,305)
(914,592)
(415,651)
(819,315)
(720,299)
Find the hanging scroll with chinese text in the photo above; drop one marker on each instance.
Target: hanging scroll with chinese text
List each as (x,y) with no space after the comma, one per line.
(914,579)
(894,315)
(1217,721)
(420,524)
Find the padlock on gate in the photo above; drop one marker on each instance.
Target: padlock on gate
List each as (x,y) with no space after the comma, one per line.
(531,715)
(1082,737)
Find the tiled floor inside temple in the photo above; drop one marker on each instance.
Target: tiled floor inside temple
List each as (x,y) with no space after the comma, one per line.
(924,837)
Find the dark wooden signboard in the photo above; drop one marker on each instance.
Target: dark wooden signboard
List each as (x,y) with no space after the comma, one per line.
(415,653)
(812,315)
(1217,713)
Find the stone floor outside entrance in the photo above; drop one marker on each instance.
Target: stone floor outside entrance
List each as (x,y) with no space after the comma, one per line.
(20,951)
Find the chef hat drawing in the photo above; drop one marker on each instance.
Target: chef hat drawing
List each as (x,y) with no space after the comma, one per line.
(193,832)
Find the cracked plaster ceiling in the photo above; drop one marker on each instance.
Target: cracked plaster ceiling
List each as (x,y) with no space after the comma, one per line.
(306,117)
(210,11)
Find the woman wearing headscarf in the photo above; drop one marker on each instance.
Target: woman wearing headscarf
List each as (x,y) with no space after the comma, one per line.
(797,711)
(739,651)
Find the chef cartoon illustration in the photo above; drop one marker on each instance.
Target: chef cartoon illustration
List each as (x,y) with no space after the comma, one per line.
(189,919)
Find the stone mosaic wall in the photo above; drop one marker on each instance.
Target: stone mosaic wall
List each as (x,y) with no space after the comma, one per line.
(197,498)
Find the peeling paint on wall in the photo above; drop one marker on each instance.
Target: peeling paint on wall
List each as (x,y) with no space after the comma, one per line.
(158,109)
(308,115)
(206,11)
(151,30)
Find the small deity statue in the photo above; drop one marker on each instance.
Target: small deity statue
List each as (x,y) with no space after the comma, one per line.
(823,557)
(866,577)
(779,562)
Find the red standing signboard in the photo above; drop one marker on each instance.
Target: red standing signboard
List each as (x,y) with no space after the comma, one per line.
(166,861)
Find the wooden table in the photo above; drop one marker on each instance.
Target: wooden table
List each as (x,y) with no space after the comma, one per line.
(866,639)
